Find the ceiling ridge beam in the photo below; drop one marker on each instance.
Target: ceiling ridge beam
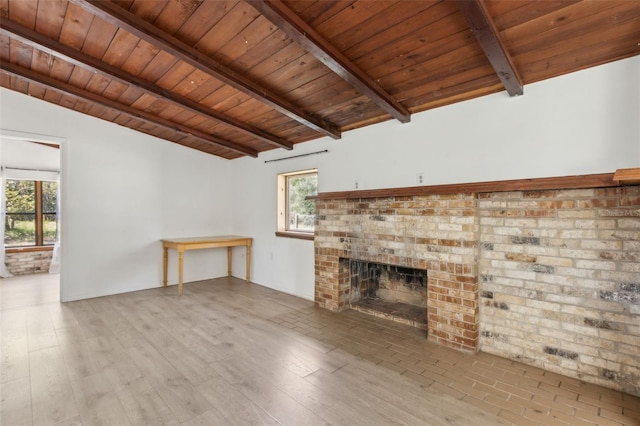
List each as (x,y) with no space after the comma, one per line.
(488,37)
(55,48)
(314,43)
(52,83)
(126,20)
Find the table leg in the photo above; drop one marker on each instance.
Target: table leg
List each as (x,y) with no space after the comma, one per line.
(165,261)
(229,257)
(248,263)
(180,270)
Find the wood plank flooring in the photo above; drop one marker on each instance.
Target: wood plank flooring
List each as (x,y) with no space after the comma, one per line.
(228,353)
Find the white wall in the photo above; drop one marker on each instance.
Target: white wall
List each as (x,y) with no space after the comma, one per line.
(582,123)
(122,191)
(28,155)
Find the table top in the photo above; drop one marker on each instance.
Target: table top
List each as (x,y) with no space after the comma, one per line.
(210,239)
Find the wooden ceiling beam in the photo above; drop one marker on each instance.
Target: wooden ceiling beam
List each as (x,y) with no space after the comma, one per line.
(489,39)
(310,40)
(55,48)
(124,19)
(66,88)
(49,145)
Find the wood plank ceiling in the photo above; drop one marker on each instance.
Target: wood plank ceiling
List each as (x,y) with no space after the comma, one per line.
(234,78)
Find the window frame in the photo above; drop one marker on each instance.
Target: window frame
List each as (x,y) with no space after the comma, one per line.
(39,213)
(282,228)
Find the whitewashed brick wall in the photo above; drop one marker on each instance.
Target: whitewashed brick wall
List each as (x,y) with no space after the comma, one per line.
(28,262)
(559,278)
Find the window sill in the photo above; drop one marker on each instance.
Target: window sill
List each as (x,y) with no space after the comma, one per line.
(27,249)
(298,235)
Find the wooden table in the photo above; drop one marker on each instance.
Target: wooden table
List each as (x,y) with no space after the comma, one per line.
(195,243)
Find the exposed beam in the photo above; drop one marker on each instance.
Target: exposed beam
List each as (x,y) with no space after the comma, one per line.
(124,19)
(55,48)
(50,145)
(307,37)
(76,92)
(489,39)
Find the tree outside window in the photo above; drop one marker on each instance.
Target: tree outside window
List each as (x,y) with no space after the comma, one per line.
(296,214)
(30,213)
(301,212)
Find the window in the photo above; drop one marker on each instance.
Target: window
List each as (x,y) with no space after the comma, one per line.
(30,213)
(296,214)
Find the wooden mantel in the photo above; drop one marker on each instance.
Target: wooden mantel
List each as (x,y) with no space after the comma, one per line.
(627,176)
(602,180)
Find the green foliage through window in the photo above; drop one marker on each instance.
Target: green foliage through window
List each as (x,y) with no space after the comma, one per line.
(301,212)
(28,221)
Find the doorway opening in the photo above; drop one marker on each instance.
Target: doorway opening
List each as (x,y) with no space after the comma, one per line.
(30,198)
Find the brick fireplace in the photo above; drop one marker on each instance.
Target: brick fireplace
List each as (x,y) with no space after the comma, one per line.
(545,272)
(436,233)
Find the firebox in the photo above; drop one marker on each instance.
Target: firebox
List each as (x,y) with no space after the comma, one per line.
(389,291)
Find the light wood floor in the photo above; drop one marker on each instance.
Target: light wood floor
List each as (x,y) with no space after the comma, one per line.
(230,353)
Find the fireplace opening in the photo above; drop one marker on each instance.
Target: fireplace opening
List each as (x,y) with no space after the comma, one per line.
(389,291)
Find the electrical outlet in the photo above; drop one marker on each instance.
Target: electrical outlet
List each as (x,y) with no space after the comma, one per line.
(357,184)
(420,178)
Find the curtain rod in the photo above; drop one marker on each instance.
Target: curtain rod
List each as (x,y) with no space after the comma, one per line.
(296,156)
(30,170)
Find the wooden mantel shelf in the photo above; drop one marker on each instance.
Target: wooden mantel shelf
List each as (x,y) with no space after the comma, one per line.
(627,176)
(602,180)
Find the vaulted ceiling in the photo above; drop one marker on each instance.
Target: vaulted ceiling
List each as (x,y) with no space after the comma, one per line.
(235,78)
